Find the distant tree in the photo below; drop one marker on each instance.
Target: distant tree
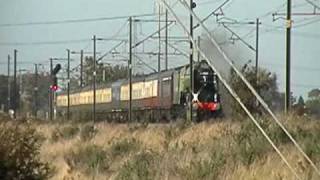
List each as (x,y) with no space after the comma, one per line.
(4,93)
(301,101)
(26,102)
(299,107)
(315,93)
(266,86)
(313,103)
(111,73)
(29,92)
(3,90)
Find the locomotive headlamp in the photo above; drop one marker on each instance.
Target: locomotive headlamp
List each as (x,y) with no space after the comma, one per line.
(195,97)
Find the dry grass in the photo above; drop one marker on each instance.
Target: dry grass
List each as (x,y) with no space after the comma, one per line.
(273,168)
(176,150)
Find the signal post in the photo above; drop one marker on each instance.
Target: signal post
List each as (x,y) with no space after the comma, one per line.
(53,87)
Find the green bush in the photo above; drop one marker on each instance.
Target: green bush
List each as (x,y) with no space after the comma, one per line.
(87,132)
(250,144)
(265,85)
(171,132)
(19,153)
(278,135)
(312,148)
(122,147)
(67,132)
(205,169)
(141,167)
(311,142)
(89,158)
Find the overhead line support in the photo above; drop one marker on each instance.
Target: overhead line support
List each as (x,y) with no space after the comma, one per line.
(130,70)
(288,58)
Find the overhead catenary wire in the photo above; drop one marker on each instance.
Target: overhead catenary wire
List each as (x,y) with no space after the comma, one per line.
(117,45)
(111,37)
(71,21)
(313,4)
(254,92)
(110,51)
(150,36)
(307,23)
(212,13)
(239,38)
(279,8)
(233,93)
(74,41)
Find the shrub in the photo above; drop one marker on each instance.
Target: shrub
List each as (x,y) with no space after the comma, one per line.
(312,147)
(250,144)
(87,132)
(311,143)
(20,149)
(123,147)
(205,169)
(67,132)
(89,158)
(171,132)
(141,167)
(266,86)
(278,135)
(183,124)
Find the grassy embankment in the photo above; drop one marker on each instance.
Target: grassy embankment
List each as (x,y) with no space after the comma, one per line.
(222,149)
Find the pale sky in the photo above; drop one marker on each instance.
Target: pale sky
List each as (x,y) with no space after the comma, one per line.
(305,45)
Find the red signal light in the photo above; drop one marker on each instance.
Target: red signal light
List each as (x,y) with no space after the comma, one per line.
(54,88)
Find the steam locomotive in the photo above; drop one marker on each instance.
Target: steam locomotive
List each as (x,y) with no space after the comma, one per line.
(156,97)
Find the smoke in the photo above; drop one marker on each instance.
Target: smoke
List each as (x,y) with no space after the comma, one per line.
(239,54)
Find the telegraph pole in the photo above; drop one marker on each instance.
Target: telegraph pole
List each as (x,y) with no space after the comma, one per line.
(257,49)
(94,78)
(199,44)
(288,57)
(9,85)
(130,70)
(166,48)
(51,92)
(36,91)
(15,84)
(68,85)
(81,52)
(20,90)
(81,68)
(192,5)
(159,63)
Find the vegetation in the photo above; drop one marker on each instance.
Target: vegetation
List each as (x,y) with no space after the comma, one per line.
(209,150)
(87,132)
(67,132)
(112,73)
(249,144)
(141,167)
(265,84)
(20,150)
(122,147)
(313,103)
(205,168)
(91,159)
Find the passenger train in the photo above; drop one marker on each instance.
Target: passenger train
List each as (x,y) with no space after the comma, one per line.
(156,97)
